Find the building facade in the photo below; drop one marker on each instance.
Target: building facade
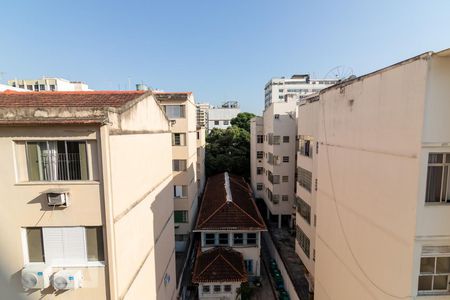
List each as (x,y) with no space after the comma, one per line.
(257,172)
(202,115)
(230,228)
(220,116)
(379,169)
(49,84)
(181,110)
(86,179)
(300,85)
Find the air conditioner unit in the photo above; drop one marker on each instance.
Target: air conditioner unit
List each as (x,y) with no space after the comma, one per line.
(67,280)
(36,276)
(58,199)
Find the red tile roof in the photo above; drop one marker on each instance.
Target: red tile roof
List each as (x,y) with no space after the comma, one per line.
(219,265)
(219,214)
(68,99)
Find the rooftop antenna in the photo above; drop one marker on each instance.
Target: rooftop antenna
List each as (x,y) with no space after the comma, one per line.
(339,72)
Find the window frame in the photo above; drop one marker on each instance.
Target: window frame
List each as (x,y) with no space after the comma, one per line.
(433,274)
(444,178)
(185,216)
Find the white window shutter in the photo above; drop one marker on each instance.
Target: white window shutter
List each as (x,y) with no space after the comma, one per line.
(53,245)
(178,191)
(64,246)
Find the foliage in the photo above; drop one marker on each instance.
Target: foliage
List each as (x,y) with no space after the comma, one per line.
(245,291)
(242,120)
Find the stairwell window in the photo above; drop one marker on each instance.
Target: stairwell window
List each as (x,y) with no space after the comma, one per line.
(57,160)
(438,178)
(175,111)
(178,139)
(180,191)
(179,165)
(181,216)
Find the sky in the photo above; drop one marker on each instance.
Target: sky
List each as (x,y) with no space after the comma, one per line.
(220,50)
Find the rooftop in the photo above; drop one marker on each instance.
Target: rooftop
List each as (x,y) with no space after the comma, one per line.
(239,212)
(219,264)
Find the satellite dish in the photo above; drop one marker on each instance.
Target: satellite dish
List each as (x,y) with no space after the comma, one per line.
(340,72)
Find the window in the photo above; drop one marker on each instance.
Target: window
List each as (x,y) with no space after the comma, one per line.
(181,237)
(304,178)
(302,240)
(21,86)
(210,239)
(438,179)
(284,198)
(180,191)
(280,97)
(238,238)
(251,238)
(64,246)
(179,165)
(181,216)
(259,186)
(57,160)
(29,87)
(259,170)
(276,198)
(226,122)
(223,239)
(303,209)
(249,265)
(285,159)
(216,122)
(174,111)
(259,154)
(217,289)
(206,289)
(227,288)
(285,178)
(36,87)
(286,139)
(198,135)
(52,87)
(260,139)
(276,139)
(305,146)
(42,87)
(179,139)
(434,274)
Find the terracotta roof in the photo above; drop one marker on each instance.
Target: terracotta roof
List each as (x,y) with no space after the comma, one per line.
(219,264)
(219,214)
(68,99)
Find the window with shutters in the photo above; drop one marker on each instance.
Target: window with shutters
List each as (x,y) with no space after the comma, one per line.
(303,209)
(64,246)
(304,178)
(180,191)
(178,139)
(259,139)
(181,216)
(179,165)
(438,178)
(302,240)
(259,154)
(57,160)
(285,159)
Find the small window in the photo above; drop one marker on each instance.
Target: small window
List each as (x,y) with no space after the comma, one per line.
(52,87)
(181,237)
(284,198)
(179,139)
(276,139)
(94,243)
(251,238)
(36,87)
(285,178)
(259,186)
(181,216)
(174,111)
(227,288)
(198,135)
(179,165)
(249,265)
(434,274)
(216,122)
(238,238)
(206,289)
(277,116)
(35,248)
(285,159)
(226,122)
(259,154)
(217,289)
(438,178)
(286,139)
(210,239)
(223,239)
(259,139)
(29,87)
(42,87)
(180,191)
(259,170)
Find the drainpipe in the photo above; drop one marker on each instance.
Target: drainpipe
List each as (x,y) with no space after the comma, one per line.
(109,215)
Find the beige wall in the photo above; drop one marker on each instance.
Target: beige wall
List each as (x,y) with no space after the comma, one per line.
(256,128)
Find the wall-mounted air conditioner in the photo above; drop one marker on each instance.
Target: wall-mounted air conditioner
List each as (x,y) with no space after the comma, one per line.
(58,197)
(36,276)
(67,280)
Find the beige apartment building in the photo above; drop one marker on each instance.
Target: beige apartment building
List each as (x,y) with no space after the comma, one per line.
(187,182)
(86,185)
(273,159)
(379,180)
(49,84)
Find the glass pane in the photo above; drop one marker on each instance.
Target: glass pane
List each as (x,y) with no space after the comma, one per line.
(434,178)
(33,162)
(427,265)
(425,283)
(35,249)
(435,158)
(446,194)
(443,265)
(94,243)
(83,161)
(440,282)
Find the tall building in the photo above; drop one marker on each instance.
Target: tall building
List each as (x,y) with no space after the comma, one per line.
(181,110)
(86,184)
(220,116)
(300,85)
(49,84)
(375,175)
(230,227)
(273,159)
(202,115)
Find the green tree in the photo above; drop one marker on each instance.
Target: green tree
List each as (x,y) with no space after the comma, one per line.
(242,120)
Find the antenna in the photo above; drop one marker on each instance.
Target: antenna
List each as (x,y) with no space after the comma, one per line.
(339,72)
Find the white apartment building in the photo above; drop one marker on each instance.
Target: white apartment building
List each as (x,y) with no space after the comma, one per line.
(202,115)
(379,180)
(86,185)
(257,172)
(300,85)
(49,84)
(220,116)
(181,110)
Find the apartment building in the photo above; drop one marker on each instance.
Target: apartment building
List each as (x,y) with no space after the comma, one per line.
(379,169)
(202,115)
(230,228)
(49,84)
(277,89)
(273,159)
(85,182)
(181,110)
(220,116)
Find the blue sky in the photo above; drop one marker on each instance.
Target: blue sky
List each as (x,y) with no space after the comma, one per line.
(220,50)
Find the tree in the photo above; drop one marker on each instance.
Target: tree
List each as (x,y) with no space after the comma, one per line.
(242,120)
